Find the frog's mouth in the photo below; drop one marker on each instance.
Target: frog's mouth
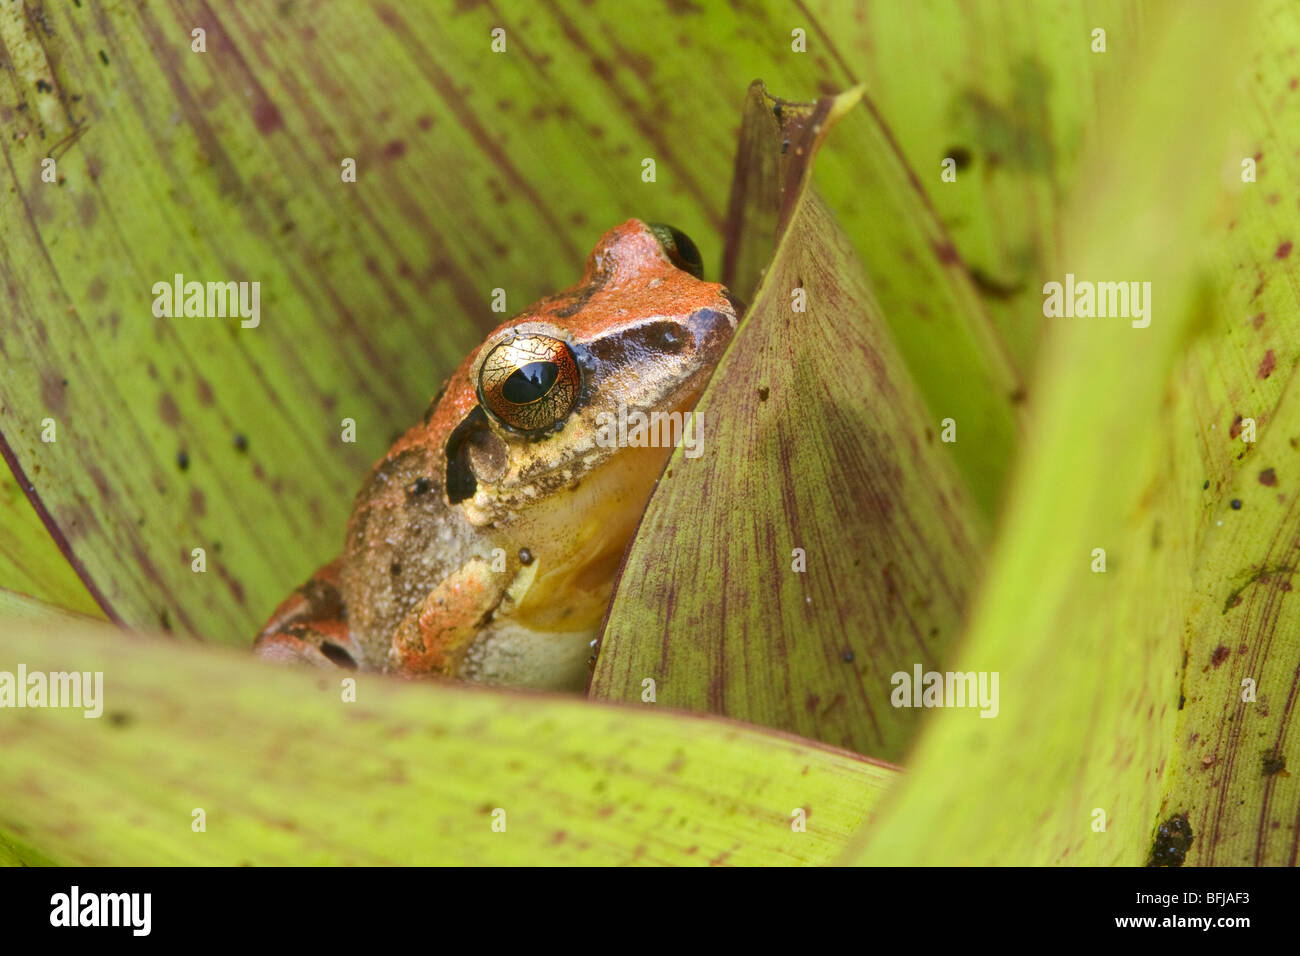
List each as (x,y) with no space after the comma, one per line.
(578,537)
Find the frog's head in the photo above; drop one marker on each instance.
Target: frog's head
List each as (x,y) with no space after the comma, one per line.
(562,387)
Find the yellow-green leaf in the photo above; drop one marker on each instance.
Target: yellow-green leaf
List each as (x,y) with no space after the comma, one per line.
(30,560)
(1235,747)
(838,543)
(285,772)
(476,170)
(1007,89)
(1070,770)
(14,605)
(1236,752)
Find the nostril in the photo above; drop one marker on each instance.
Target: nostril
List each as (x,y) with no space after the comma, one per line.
(671,341)
(664,338)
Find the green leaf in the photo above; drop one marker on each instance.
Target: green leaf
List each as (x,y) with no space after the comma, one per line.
(480,170)
(1009,90)
(30,561)
(1089,663)
(1234,758)
(820,467)
(943,329)
(286,773)
(15,606)
(476,171)
(1235,753)
(16,853)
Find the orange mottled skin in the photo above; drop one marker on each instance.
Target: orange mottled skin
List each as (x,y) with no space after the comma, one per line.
(481,553)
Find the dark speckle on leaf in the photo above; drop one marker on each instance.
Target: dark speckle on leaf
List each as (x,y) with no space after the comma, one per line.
(1173,840)
(1236,504)
(1272,761)
(267,117)
(946,252)
(241,443)
(183,460)
(994,287)
(762,394)
(119,718)
(960,155)
(525,556)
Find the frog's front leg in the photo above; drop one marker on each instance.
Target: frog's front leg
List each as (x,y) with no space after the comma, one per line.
(433,637)
(469,628)
(310,625)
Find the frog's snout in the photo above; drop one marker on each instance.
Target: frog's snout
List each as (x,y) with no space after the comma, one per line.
(711,329)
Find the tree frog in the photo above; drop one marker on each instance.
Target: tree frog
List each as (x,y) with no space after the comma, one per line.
(484,545)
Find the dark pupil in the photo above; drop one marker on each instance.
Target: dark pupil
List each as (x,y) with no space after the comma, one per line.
(530,382)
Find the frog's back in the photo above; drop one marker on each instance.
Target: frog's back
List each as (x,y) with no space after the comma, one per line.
(403,540)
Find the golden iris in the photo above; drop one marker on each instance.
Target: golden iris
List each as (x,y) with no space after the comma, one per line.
(530,382)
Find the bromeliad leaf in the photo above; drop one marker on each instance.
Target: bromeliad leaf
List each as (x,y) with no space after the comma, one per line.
(1083,611)
(1239,405)
(823,487)
(31,563)
(490,171)
(286,772)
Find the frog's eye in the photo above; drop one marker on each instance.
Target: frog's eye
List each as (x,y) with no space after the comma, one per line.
(530,382)
(679,247)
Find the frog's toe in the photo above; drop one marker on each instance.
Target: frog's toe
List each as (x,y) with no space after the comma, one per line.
(308,627)
(324,644)
(289,649)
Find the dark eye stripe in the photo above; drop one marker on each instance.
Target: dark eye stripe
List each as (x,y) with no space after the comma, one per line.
(530,383)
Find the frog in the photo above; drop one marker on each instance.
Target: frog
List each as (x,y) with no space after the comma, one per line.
(484,546)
